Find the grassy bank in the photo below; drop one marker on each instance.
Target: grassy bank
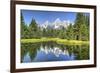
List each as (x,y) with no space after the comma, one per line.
(57,40)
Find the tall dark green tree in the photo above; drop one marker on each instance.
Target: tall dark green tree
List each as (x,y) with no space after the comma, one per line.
(78,23)
(87,22)
(70,32)
(33,28)
(80,27)
(24,28)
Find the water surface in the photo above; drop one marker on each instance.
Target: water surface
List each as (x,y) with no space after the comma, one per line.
(51,51)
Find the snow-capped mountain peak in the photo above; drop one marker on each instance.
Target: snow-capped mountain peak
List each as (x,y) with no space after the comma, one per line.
(57,20)
(57,24)
(45,24)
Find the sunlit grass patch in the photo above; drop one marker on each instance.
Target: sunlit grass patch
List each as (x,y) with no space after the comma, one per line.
(72,42)
(57,40)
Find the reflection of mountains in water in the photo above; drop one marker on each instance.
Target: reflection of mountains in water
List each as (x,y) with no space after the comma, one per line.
(56,51)
(51,51)
(49,54)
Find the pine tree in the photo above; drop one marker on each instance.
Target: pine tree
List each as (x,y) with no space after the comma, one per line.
(69,32)
(23,27)
(81,27)
(33,28)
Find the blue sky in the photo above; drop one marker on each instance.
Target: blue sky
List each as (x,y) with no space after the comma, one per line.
(51,16)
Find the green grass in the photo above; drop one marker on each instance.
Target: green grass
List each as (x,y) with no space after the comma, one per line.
(72,42)
(57,40)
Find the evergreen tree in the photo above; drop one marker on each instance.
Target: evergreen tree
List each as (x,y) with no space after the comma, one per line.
(24,29)
(33,28)
(69,32)
(87,24)
(80,27)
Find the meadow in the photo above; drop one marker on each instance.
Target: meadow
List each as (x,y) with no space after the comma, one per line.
(57,40)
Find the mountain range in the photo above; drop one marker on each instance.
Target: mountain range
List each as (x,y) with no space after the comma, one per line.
(57,24)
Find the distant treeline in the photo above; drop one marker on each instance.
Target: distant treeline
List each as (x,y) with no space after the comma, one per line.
(77,31)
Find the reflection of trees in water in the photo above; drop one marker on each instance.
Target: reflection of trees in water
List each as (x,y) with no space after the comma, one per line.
(24,50)
(33,50)
(81,52)
(29,48)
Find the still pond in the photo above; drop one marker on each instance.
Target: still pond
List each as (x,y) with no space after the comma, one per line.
(51,51)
